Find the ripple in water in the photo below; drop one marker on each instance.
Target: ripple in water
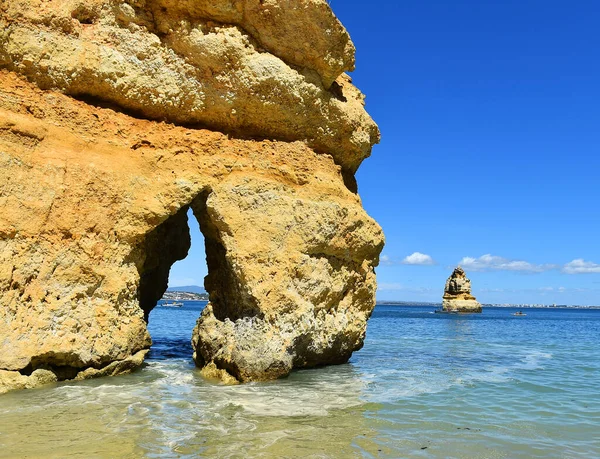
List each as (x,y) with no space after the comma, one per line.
(470,387)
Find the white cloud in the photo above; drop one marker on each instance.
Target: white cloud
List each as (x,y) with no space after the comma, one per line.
(396,286)
(385,260)
(540,290)
(418,258)
(494,263)
(580,266)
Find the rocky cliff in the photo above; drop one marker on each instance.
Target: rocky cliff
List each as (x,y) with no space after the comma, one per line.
(457,294)
(253,68)
(116,118)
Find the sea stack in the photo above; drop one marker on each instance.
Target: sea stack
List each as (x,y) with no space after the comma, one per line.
(457,294)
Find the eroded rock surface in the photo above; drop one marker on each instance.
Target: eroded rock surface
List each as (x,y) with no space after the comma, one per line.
(92,214)
(11,380)
(457,294)
(252,68)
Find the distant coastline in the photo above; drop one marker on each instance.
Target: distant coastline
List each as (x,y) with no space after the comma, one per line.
(194,296)
(494,305)
(184,296)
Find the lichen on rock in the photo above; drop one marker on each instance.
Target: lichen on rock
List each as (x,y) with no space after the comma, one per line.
(116,118)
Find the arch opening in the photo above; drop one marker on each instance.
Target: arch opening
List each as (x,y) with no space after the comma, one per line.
(182,255)
(168,243)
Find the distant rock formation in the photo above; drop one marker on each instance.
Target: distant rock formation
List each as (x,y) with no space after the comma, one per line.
(457,294)
(116,118)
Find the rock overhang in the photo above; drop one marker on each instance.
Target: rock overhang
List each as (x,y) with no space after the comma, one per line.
(92,202)
(260,69)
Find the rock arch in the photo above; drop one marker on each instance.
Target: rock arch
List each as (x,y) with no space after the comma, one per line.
(290,250)
(93,200)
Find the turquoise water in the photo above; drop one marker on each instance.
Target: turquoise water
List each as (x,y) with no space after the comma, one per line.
(424,386)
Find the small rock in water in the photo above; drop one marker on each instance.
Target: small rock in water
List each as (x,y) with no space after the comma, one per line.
(457,294)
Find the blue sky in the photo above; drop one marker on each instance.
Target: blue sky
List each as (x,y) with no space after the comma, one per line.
(490,151)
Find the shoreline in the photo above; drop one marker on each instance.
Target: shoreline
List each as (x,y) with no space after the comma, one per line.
(504,306)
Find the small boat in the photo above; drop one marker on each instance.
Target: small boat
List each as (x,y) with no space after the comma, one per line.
(520,313)
(441,311)
(172,304)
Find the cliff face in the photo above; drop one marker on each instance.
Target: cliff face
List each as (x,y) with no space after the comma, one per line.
(95,185)
(457,294)
(254,68)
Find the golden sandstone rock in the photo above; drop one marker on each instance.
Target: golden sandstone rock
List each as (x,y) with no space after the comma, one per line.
(185,62)
(457,294)
(94,201)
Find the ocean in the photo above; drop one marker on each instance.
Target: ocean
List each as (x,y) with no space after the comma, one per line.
(424,386)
